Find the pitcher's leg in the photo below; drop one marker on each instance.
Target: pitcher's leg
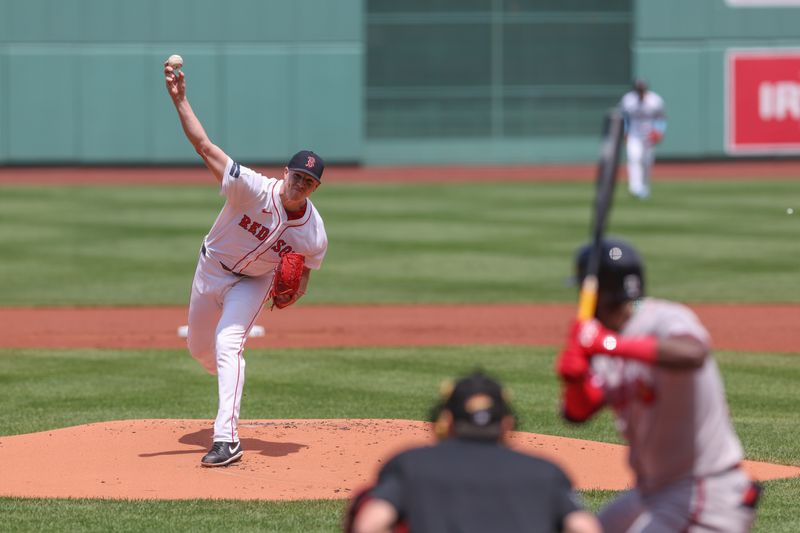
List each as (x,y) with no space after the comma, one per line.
(204,313)
(242,305)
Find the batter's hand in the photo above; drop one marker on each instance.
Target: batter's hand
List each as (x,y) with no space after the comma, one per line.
(594,338)
(176,82)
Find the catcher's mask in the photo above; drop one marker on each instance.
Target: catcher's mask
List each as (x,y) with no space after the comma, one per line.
(621,275)
(478,404)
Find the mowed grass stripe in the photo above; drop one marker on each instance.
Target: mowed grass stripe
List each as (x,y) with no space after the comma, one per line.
(49,389)
(495,242)
(776,513)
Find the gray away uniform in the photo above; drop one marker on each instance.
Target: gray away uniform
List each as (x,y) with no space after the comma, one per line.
(683,449)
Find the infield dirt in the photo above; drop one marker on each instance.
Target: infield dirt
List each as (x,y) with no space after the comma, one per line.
(299,459)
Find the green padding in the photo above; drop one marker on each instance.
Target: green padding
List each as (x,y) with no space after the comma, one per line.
(493,71)
(714,19)
(3,108)
(255,68)
(112,98)
(257,88)
(43,109)
(203,68)
(328,116)
(687,104)
(258,102)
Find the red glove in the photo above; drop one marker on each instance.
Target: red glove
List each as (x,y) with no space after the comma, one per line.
(655,136)
(288,276)
(593,338)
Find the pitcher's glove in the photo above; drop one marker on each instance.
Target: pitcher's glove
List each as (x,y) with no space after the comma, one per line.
(286,285)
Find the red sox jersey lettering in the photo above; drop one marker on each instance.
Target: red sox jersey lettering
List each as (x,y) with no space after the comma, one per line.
(281,248)
(253,227)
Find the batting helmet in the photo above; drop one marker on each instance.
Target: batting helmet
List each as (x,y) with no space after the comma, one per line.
(621,274)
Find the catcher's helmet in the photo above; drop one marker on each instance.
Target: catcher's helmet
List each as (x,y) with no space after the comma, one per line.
(621,273)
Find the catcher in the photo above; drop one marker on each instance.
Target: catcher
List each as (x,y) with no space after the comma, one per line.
(470,481)
(262,247)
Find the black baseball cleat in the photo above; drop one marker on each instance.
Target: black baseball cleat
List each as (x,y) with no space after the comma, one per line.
(222,453)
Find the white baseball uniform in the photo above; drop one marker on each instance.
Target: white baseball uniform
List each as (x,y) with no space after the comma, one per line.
(683,448)
(642,117)
(234,276)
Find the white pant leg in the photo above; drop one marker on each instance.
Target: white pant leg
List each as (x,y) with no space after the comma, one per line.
(648,157)
(241,306)
(205,309)
(635,148)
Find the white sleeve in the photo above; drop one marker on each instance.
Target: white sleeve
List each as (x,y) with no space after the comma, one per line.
(624,103)
(242,185)
(314,258)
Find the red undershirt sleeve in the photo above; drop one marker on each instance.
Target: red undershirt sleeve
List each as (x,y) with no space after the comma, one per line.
(581,400)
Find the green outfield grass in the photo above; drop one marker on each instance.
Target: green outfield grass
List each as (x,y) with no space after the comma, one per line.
(437,243)
(45,389)
(50,389)
(776,514)
(497,242)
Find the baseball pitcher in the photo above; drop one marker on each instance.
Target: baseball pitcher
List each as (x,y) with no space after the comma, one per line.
(650,361)
(265,241)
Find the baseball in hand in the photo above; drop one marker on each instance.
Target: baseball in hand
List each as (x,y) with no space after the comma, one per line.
(175,61)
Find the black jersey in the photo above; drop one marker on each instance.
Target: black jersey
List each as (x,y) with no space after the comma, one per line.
(464,486)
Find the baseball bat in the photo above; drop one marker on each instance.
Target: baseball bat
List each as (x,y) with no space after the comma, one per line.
(604,194)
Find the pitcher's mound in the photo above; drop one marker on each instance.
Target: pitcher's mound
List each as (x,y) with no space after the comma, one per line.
(283,459)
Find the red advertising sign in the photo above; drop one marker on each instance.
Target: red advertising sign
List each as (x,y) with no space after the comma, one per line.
(763,101)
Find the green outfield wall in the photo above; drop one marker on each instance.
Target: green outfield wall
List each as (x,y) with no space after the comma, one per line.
(366,81)
(492,80)
(680,46)
(81,80)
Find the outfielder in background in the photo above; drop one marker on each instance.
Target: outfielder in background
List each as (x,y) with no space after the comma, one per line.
(649,360)
(470,481)
(263,221)
(645,124)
